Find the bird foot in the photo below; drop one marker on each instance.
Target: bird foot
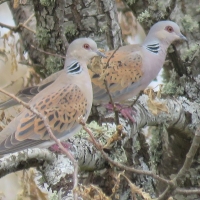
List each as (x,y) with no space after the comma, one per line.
(56,149)
(126,111)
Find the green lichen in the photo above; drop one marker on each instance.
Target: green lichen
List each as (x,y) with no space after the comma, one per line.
(137,146)
(162,6)
(159,7)
(43,36)
(191,52)
(102,132)
(103,29)
(193,178)
(180,90)
(192,174)
(54,196)
(47,2)
(189,23)
(169,88)
(172,87)
(144,16)
(70,30)
(155,146)
(53,64)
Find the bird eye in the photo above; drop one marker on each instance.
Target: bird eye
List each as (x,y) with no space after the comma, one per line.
(86,46)
(169,29)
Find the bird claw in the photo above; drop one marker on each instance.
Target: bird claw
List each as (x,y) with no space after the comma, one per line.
(126,111)
(56,149)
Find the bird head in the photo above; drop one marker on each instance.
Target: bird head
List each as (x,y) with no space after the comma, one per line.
(84,48)
(165,31)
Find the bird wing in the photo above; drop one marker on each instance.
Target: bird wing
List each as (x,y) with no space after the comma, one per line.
(121,70)
(28,93)
(61,108)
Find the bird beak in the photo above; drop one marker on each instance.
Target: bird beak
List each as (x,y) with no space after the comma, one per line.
(182,37)
(100,53)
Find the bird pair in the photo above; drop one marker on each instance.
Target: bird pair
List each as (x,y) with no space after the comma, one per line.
(69,93)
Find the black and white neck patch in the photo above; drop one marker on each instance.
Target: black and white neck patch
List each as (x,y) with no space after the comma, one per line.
(154,48)
(74,68)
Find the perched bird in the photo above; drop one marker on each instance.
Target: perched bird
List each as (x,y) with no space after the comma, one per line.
(62,102)
(131,68)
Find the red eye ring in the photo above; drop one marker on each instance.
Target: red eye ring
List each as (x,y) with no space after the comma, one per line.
(169,29)
(86,46)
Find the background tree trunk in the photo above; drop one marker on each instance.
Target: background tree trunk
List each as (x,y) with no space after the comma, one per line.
(59,23)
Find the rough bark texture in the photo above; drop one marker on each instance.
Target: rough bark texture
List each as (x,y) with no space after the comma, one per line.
(60,22)
(165,153)
(171,133)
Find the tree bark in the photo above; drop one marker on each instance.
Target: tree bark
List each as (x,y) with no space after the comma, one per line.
(59,23)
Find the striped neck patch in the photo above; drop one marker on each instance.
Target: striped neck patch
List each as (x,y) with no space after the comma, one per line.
(154,48)
(74,68)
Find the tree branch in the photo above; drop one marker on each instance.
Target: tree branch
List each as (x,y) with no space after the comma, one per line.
(12,28)
(3,1)
(48,53)
(20,25)
(24,160)
(176,119)
(52,136)
(107,89)
(188,161)
(187,192)
(99,147)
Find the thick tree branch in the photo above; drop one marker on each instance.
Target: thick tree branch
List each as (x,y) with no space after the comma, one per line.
(176,119)
(171,185)
(24,160)
(52,136)
(121,166)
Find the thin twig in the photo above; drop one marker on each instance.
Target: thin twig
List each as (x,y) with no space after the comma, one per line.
(26,22)
(182,172)
(52,136)
(107,89)
(170,183)
(48,53)
(24,62)
(18,28)
(30,17)
(187,192)
(99,147)
(112,103)
(12,28)
(138,96)
(26,27)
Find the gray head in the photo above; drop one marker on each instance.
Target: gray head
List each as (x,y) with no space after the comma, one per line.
(84,49)
(165,31)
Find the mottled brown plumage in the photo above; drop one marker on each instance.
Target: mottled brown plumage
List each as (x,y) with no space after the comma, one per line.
(124,68)
(62,109)
(62,102)
(131,68)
